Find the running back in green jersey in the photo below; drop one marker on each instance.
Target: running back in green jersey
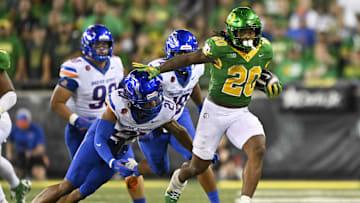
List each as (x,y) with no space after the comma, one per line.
(4,60)
(234,74)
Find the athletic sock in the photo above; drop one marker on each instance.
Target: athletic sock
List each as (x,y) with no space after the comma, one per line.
(142,200)
(213,196)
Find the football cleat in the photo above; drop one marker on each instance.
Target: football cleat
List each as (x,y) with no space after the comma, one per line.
(175,188)
(18,193)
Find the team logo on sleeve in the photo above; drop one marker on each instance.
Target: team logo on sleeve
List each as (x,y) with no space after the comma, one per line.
(206,50)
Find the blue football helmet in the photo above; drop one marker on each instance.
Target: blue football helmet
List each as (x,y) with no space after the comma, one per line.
(92,35)
(181,41)
(145,95)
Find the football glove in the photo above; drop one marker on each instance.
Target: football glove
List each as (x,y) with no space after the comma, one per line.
(119,166)
(82,124)
(273,90)
(152,70)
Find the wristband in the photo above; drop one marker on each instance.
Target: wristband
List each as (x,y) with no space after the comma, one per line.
(110,162)
(73,118)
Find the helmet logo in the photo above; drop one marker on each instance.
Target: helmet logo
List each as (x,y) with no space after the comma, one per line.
(87,67)
(104,37)
(186,47)
(231,19)
(151,95)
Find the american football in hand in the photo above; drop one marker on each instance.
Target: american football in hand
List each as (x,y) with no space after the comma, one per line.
(266,78)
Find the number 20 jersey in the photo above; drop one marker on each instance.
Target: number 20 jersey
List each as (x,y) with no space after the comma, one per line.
(172,87)
(93,84)
(235,72)
(126,127)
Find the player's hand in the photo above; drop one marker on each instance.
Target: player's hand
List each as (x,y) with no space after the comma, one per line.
(199,108)
(82,124)
(273,90)
(215,159)
(119,166)
(152,70)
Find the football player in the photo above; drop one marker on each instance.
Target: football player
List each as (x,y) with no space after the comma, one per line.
(132,111)
(237,58)
(7,100)
(79,96)
(178,85)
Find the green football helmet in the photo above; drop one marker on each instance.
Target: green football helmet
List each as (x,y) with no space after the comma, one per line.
(239,20)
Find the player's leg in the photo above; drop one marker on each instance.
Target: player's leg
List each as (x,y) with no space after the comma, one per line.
(207,178)
(73,139)
(7,172)
(135,185)
(96,177)
(247,133)
(154,147)
(54,192)
(211,126)
(84,161)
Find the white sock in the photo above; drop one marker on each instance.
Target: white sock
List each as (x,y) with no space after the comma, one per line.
(2,196)
(245,199)
(177,181)
(7,172)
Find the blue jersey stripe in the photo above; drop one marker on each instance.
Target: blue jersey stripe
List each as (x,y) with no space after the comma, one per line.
(69,69)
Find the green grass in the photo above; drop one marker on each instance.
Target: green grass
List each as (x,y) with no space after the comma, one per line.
(268,192)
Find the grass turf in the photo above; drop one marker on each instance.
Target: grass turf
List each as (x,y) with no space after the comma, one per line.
(268,191)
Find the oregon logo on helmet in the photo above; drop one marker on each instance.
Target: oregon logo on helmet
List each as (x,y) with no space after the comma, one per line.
(240,20)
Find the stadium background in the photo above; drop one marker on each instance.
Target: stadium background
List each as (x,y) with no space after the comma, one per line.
(313,129)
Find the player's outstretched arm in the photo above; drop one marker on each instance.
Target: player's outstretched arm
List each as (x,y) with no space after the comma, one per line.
(183,60)
(180,133)
(177,62)
(104,129)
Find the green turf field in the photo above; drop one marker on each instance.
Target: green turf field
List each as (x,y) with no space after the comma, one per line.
(268,192)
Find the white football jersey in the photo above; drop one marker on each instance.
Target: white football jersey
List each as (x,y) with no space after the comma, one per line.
(174,90)
(126,127)
(88,100)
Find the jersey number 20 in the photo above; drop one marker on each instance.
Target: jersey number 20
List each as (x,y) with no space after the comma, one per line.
(243,82)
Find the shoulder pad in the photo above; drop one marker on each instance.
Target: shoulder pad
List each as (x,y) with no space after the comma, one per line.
(215,47)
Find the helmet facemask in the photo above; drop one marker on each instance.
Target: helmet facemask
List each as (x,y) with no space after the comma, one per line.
(244,28)
(240,40)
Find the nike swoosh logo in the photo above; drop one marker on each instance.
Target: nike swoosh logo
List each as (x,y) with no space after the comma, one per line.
(261,55)
(99,145)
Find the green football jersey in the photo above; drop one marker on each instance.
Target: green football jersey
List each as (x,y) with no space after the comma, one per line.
(234,74)
(4,60)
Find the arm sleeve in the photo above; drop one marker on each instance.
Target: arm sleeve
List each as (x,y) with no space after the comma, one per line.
(7,101)
(104,130)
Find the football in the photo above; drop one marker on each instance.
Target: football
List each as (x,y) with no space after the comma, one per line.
(266,78)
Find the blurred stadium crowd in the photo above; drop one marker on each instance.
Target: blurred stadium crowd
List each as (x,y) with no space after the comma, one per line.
(312,39)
